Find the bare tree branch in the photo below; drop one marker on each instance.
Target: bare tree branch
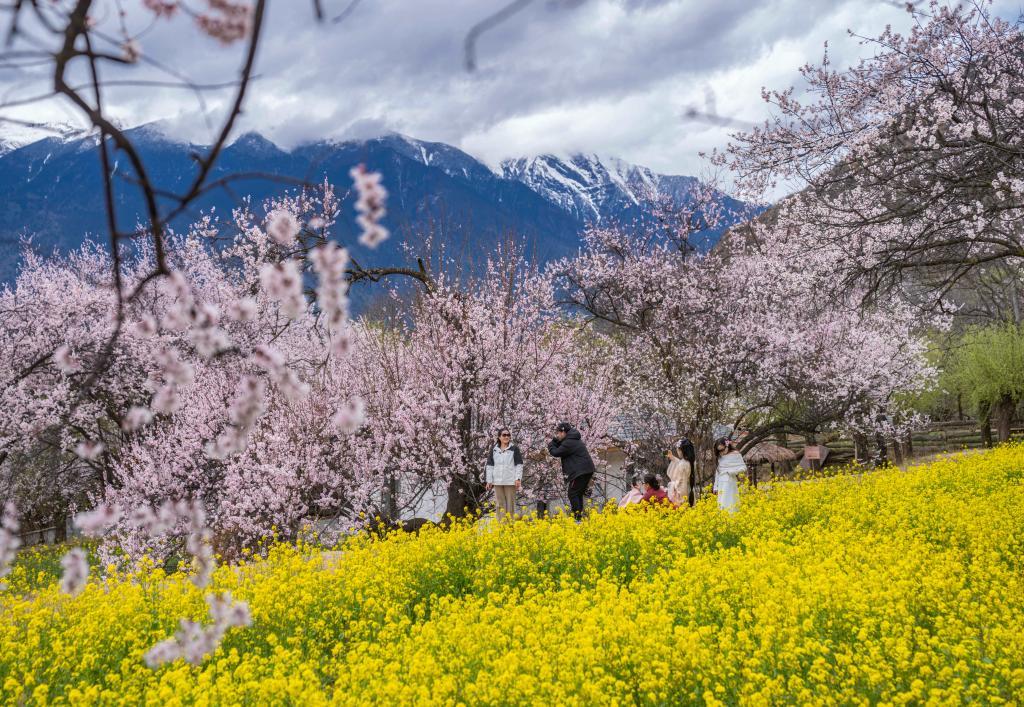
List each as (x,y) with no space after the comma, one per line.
(488,23)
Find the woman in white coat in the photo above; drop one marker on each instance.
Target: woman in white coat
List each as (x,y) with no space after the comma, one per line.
(730,465)
(504,474)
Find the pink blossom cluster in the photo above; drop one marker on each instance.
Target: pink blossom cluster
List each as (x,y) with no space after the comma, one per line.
(243,309)
(162,8)
(193,641)
(136,418)
(131,51)
(283,227)
(246,409)
(349,417)
(94,523)
(227,21)
(285,378)
(307,413)
(75,571)
(330,263)
(741,335)
(200,320)
(160,404)
(66,361)
(469,359)
(874,158)
(282,282)
(146,327)
(89,449)
(198,544)
(175,373)
(370,205)
(161,520)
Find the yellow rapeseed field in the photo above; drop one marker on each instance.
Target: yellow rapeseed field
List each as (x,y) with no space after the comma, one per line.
(887,587)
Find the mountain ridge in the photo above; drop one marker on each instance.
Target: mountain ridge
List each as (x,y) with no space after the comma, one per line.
(51,189)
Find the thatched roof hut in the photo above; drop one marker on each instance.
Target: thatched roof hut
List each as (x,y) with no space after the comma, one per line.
(768,453)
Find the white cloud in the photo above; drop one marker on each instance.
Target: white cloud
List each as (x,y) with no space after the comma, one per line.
(605,76)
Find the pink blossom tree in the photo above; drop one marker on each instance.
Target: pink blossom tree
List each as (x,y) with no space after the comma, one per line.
(906,167)
(472,357)
(738,336)
(220,388)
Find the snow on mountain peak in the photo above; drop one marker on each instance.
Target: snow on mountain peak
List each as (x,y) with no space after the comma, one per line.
(586,185)
(16,135)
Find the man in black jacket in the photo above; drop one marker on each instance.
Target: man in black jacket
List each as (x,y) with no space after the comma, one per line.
(577,466)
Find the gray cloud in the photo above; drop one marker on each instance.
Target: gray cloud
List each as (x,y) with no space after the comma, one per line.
(605,76)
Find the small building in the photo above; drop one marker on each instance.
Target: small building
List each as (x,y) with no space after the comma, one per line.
(771,454)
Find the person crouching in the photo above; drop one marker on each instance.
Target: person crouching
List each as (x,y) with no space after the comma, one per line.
(653,493)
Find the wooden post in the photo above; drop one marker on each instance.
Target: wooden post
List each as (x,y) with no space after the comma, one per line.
(986,427)
(812,453)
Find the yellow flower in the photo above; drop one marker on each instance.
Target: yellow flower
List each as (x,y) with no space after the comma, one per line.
(862,588)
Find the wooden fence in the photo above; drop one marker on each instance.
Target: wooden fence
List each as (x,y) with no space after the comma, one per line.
(936,438)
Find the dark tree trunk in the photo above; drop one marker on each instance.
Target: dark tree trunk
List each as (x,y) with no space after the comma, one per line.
(897,452)
(465,494)
(881,453)
(908,446)
(1004,417)
(860,448)
(463,497)
(705,465)
(391,499)
(986,426)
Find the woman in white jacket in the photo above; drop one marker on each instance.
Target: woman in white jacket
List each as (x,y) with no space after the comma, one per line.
(504,474)
(730,465)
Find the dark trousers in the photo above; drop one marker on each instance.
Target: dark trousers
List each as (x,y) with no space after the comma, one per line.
(577,490)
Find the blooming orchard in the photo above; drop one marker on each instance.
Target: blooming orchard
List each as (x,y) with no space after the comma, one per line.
(225,386)
(739,336)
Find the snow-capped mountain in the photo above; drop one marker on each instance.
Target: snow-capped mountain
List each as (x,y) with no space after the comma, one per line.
(51,191)
(590,187)
(17,135)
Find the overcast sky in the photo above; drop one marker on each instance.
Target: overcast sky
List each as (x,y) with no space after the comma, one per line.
(613,77)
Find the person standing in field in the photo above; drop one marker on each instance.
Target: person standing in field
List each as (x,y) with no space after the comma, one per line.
(577,466)
(730,465)
(504,474)
(680,472)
